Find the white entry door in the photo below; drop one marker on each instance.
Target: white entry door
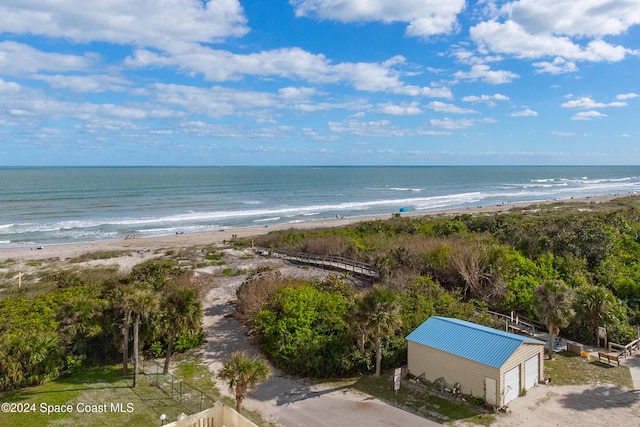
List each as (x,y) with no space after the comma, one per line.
(531,372)
(490,391)
(511,384)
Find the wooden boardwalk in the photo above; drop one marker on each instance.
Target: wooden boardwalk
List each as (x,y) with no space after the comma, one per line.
(354,267)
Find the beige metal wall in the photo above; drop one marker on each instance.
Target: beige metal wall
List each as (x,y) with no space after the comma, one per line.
(471,375)
(521,355)
(454,369)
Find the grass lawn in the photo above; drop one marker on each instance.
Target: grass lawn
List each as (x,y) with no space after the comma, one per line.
(570,369)
(100,397)
(110,399)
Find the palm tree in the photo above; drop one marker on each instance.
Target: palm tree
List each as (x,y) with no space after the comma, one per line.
(383,317)
(594,307)
(79,318)
(124,302)
(553,304)
(143,303)
(358,323)
(243,373)
(181,310)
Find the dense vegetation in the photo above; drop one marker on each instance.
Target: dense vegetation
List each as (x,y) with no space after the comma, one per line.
(457,266)
(461,266)
(74,318)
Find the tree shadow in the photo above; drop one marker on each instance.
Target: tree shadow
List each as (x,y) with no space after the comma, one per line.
(304,393)
(599,397)
(226,336)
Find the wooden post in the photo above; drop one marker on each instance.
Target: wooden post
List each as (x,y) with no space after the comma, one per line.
(20,279)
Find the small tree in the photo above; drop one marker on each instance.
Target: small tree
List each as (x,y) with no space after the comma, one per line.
(181,310)
(243,373)
(553,304)
(382,316)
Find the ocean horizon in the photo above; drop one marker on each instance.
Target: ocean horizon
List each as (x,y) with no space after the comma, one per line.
(52,205)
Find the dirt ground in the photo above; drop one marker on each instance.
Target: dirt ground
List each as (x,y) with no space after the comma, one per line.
(602,405)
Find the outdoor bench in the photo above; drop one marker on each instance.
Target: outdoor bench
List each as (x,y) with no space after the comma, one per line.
(609,357)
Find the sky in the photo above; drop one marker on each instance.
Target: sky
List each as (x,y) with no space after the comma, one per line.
(319,82)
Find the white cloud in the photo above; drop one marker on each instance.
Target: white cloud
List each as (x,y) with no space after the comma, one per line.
(484,73)
(366,128)
(220,65)
(296,93)
(624,96)
(214,102)
(487,99)
(86,84)
(447,123)
(142,22)
(378,128)
(527,112)
(431,92)
(18,59)
(586,102)
(290,63)
(557,66)
(566,30)
(9,87)
(591,18)
(443,107)
(424,17)
(513,39)
(401,110)
(588,115)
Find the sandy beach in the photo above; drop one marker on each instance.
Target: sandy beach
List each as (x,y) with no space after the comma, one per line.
(145,247)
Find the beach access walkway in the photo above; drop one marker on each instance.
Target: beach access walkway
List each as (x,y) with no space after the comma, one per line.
(346,265)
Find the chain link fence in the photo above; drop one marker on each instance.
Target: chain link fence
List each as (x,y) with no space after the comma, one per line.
(187,396)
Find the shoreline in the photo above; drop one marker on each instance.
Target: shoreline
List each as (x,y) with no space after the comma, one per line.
(65,251)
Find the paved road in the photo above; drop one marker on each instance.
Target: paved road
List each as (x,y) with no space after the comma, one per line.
(334,407)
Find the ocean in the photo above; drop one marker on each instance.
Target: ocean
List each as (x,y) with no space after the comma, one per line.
(47,205)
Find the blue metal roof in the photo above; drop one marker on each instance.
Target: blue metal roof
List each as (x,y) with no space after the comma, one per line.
(469,340)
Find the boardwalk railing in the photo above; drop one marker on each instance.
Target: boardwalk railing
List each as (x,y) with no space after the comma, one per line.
(331,262)
(518,324)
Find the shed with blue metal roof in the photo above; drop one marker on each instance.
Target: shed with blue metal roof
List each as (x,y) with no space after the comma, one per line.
(486,362)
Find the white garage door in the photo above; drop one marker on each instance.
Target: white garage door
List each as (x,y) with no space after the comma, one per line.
(511,384)
(531,370)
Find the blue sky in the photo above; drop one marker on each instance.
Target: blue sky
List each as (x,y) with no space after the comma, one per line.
(319,82)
